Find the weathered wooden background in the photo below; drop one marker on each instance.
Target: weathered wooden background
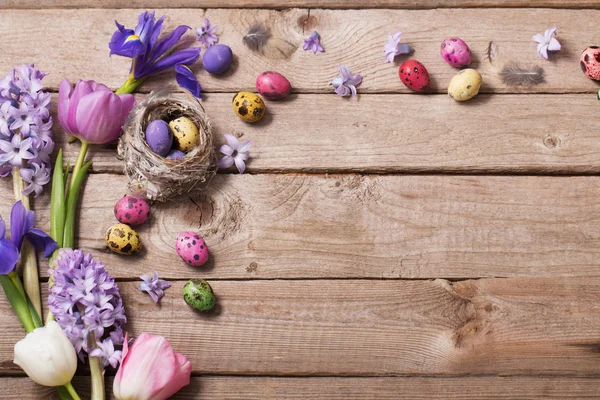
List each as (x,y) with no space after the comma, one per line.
(387,246)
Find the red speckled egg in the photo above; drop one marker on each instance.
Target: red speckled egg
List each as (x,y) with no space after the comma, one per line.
(414,75)
(590,62)
(192,249)
(273,86)
(132,210)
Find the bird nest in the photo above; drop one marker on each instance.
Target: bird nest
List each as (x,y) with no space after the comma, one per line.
(157,177)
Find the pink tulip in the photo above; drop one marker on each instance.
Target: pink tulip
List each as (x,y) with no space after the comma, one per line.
(150,370)
(91,111)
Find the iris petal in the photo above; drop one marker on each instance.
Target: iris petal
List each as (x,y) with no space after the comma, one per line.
(9,255)
(187,80)
(18,223)
(41,241)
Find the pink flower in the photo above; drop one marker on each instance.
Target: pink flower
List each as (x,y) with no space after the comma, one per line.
(91,111)
(150,370)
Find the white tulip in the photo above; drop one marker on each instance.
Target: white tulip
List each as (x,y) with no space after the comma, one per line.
(47,356)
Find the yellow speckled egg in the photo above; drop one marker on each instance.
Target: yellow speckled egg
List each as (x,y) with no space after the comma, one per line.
(250,107)
(122,239)
(185,133)
(465,85)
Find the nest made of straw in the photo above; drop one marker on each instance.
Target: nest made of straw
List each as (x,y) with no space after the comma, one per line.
(160,178)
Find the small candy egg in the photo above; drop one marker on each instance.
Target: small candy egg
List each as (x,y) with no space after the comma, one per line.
(185,133)
(199,295)
(217,59)
(273,86)
(175,155)
(122,239)
(250,107)
(192,249)
(455,52)
(465,85)
(132,210)
(590,62)
(414,75)
(159,137)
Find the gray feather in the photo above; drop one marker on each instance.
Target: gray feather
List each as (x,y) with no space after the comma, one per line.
(257,37)
(261,39)
(491,52)
(518,75)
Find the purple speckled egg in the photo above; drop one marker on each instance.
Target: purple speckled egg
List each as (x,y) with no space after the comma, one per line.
(159,137)
(217,59)
(192,249)
(132,210)
(273,86)
(455,52)
(175,155)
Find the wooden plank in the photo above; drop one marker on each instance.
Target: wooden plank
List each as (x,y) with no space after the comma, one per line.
(281,4)
(267,227)
(354,38)
(393,388)
(513,326)
(401,133)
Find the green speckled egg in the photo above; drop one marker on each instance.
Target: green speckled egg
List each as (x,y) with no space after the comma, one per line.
(199,295)
(185,133)
(250,107)
(122,239)
(465,85)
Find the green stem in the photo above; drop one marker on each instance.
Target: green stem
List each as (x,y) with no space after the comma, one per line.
(57,202)
(72,391)
(16,281)
(63,393)
(18,303)
(130,85)
(96,372)
(72,200)
(79,163)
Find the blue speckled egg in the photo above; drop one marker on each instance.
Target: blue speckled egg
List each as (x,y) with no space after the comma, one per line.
(217,59)
(175,155)
(159,137)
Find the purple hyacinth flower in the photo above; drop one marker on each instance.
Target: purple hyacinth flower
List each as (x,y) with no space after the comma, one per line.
(15,151)
(234,152)
(5,119)
(187,80)
(313,43)
(345,84)
(394,48)
(546,42)
(151,55)
(106,350)
(207,33)
(153,286)
(36,176)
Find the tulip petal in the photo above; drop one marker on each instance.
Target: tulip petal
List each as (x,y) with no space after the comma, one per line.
(82,89)
(181,377)
(98,117)
(64,93)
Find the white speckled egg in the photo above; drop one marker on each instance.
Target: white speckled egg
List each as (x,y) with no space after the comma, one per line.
(465,85)
(185,133)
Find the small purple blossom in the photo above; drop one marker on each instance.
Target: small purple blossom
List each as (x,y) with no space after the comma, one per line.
(207,34)
(153,286)
(345,83)
(546,42)
(394,48)
(313,43)
(234,152)
(36,176)
(15,151)
(85,300)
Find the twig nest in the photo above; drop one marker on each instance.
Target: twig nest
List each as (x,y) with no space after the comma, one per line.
(158,177)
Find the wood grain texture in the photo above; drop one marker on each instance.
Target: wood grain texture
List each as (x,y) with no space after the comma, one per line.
(351,37)
(271,227)
(513,326)
(401,133)
(339,388)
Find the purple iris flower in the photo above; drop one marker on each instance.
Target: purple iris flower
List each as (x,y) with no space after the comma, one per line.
(21,227)
(151,55)
(187,80)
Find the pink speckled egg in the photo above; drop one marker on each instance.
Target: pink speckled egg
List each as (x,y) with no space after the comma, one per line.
(590,62)
(132,210)
(192,249)
(273,86)
(455,52)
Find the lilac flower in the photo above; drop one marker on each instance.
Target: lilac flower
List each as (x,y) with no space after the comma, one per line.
(15,151)
(546,42)
(150,55)
(153,286)
(85,300)
(394,48)
(22,223)
(313,43)
(36,176)
(187,80)
(207,34)
(345,83)
(234,152)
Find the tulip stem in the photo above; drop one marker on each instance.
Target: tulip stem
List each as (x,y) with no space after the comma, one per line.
(72,391)
(79,163)
(28,260)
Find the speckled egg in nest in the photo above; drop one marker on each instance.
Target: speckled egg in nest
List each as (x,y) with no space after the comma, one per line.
(158,177)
